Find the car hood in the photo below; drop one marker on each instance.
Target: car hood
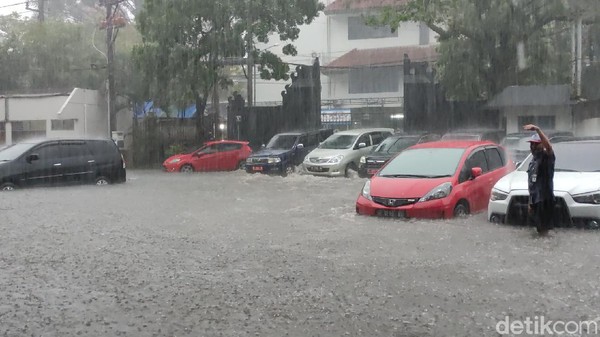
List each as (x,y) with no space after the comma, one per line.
(181,156)
(327,153)
(404,187)
(571,182)
(379,156)
(269,153)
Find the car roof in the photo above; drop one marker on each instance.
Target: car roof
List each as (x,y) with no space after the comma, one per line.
(226,141)
(359,131)
(456,144)
(44,140)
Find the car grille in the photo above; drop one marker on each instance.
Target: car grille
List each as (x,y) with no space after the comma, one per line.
(317,160)
(317,169)
(518,212)
(391,202)
(259,160)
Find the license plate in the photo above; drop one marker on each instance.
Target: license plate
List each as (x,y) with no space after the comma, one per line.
(391,213)
(257,168)
(316,169)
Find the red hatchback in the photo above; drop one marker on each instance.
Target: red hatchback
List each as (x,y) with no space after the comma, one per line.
(222,155)
(435,180)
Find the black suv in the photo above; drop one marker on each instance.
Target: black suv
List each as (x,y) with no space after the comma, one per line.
(390,146)
(60,161)
(285,151)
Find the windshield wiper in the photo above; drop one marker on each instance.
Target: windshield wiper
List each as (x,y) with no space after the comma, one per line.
(439,176)
(404,176)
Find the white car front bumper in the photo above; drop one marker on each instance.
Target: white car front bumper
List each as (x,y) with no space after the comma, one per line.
(516,205)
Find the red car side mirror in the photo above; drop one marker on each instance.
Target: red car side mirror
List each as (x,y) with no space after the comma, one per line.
(476,172)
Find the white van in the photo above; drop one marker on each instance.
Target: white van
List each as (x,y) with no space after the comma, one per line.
(341,152)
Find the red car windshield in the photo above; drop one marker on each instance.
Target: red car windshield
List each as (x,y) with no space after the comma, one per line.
(424,163)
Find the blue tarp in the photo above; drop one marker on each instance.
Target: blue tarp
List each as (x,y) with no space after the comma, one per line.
(147,108)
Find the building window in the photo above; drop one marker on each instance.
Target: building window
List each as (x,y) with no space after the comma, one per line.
(358,30)
(22,130)
(372,80)
(544,122)
(63,124)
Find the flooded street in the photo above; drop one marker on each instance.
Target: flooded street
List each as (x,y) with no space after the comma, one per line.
(234,254)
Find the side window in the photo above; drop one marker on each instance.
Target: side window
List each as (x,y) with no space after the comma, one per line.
(476,159)
(303,140)
(376,138)
(209,149)
(74,150)
(48,152)
(494,159)
(364,139)
(312,140)
(229,147)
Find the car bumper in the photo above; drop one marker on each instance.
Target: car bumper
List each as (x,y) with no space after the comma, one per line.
(171,168)
(327,170)
(274,168)
(514,208)
(433,209)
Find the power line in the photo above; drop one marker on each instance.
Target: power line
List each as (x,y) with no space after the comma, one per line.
(17,4)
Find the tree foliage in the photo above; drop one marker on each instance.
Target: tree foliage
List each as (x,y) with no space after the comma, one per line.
(486,45)
(58,55)
(185,43)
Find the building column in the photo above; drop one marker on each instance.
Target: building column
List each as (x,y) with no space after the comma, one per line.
(8,130)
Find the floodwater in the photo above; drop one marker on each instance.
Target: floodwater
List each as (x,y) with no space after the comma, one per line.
(234,254)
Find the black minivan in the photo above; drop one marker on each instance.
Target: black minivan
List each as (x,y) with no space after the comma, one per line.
(285,151)
(61,161)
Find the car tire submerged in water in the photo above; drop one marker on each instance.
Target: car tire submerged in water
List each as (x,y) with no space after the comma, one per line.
(461,209)
(288,170)
(7,187)
(241,165)
(187,168)
(349,168)
(102,180)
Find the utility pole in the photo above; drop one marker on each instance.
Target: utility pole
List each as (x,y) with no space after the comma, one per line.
(250,58)
(110,24)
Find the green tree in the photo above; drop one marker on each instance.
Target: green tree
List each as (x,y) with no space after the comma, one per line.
(486,45)
(186,42)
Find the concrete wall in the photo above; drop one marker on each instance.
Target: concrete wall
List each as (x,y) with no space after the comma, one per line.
(588,127)
(563,121)
(82,105)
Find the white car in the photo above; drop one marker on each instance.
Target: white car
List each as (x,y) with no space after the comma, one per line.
(341,152)
(576,188)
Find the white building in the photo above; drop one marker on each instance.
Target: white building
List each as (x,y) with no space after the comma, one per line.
(78,114)
(361,65)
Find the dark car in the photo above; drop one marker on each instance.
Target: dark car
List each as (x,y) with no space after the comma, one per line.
(371,163)
(285,151)
(479,134)
(518,148)
(60,161)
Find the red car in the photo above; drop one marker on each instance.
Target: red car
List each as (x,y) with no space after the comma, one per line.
(222,155)
(436,180)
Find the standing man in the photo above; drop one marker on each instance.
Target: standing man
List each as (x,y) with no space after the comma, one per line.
(541,180)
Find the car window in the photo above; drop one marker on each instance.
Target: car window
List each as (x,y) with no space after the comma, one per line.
(494,158)
(364,139)
(476,159)
(312,140)
(209,149)
(48,152)
(376,138)
(224,147)
(74,150)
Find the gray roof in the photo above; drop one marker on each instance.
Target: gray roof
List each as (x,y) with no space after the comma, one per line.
(532,95)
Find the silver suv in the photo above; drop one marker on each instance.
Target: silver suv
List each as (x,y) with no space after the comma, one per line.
(341,152)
